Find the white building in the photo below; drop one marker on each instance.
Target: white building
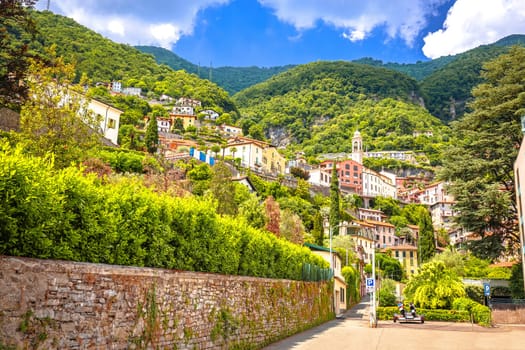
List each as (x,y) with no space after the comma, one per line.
(109,119)
(440,204)
(132,91)
(376,184)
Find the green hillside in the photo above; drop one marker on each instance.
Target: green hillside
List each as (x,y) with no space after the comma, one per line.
(447,90)
(103,60)
(232,79)
(418,71)
(446,82)
(318,106)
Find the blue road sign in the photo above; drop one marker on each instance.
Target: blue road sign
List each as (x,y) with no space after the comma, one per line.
(486,289)
(370,282)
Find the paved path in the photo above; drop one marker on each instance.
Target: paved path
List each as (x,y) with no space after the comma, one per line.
(353,332)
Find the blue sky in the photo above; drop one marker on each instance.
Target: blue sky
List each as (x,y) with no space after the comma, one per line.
(268,33)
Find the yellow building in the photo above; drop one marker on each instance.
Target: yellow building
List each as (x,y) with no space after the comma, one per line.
(339,281)
(407,256)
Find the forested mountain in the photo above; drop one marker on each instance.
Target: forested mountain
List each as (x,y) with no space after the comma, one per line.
(448,89)
(103,60)
(232,79)
(418,71)
(317,107)
(446,82)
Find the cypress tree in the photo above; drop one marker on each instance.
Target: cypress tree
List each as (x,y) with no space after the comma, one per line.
(334,201)
(152,135)
(426,244)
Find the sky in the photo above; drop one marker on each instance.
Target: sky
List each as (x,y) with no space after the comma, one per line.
(268,33)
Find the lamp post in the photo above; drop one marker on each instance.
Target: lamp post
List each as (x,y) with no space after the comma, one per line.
(373,320)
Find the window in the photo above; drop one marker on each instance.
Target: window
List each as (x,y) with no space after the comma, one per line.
(342,294)
(347,166)
(112,123)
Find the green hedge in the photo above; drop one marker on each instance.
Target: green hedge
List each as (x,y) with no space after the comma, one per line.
(480,314)
(50,214)
(387,313)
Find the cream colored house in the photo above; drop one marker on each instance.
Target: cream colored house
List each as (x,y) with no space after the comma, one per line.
(362,234)
(519,178)
(339,281)
(256,155)
(109,117)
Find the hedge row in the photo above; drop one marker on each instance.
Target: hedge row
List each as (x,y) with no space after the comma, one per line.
(64,214)
(480,313)
(387,313)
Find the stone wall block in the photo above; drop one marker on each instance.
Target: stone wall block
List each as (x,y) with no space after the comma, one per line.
(96,306)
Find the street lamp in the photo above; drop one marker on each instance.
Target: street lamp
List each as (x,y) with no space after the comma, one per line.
(373,320)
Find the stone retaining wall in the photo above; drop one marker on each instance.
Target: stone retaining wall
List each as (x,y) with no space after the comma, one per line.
(50,304)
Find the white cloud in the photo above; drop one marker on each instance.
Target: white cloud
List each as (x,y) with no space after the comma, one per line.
(471,23)
(357,18)
(153,22)
(165,34)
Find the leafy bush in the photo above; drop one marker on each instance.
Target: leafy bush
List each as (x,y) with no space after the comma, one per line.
(479,313)
(434,286)
(124,161)
(63,214)
(387,296)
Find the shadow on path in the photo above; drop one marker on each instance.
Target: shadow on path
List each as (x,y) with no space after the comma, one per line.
(357,312)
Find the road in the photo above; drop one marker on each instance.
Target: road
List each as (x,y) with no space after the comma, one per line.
(353,332)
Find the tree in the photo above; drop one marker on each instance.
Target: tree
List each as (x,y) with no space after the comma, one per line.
(17,29)
(426,244)
(479,164)
(387,205)
(345,246)
(516,281)
(253,212)
(389,267)
(151,139)
(159,111)
(434,286)
(223,189)
(318,231)
(233,150)
(334,217)
(200,177)
(216,149)
(56,118)
(453,261)
(178,125)
(273,215)
(257,132)
(291,227)
(299,173)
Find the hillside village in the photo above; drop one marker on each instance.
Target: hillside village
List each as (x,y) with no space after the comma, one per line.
(370,229)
